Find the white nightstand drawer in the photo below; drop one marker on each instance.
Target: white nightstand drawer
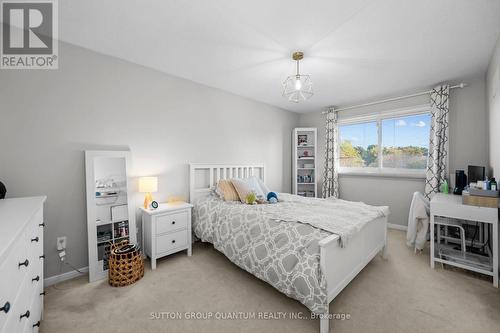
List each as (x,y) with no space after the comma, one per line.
(171,241)
(171,222)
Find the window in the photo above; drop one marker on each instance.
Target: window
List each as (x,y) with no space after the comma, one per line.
(359,145)
(393,142)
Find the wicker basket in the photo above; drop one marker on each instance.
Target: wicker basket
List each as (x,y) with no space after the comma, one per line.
(124,269)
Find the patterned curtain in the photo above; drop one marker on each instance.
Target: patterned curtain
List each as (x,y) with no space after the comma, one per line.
(437,165)
(330,177)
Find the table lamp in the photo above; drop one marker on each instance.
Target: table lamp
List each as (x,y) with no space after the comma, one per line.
(148,185)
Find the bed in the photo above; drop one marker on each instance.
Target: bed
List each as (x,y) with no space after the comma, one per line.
(282,244)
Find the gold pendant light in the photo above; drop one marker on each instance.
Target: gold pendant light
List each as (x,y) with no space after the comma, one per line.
(297,88)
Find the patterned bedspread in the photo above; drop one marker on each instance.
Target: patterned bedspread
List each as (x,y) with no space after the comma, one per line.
(278,243)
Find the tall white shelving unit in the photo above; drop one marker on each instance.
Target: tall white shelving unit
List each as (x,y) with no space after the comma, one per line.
(305,163)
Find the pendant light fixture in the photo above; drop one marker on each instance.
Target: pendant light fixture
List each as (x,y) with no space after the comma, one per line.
(297,88)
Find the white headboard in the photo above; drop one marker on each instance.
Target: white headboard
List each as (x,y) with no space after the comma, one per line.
(202,177)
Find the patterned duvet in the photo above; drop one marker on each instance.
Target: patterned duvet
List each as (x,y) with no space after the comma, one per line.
(278,243)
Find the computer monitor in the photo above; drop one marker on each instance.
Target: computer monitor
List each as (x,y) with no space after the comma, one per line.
(475,173)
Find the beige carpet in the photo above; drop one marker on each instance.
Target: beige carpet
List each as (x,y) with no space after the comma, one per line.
(401,294)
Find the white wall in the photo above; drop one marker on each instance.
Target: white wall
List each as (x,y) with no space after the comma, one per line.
(493,84)
(468,145)
(48,118)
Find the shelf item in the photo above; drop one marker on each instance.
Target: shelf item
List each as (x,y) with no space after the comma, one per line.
(119,213)
(120,229)
(107,192)
(306,177)
(104,233)
(304,150)
(99,195)
(120,239)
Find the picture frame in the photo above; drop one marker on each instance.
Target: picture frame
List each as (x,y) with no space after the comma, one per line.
(302,139)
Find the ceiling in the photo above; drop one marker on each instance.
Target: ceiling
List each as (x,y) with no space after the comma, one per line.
(355,50)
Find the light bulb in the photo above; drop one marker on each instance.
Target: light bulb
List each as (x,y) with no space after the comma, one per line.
(298,84)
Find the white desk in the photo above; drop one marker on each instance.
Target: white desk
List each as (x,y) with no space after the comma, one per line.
(450,206)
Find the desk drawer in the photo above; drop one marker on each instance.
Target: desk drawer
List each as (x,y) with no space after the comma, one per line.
(171,222)
(171,241)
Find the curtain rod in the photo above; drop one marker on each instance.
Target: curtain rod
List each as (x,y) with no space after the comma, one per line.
(461,85)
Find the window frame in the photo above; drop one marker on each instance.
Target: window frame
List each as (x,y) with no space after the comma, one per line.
(378,118)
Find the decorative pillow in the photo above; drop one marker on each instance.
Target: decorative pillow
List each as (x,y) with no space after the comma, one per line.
(247,186)
(227,191)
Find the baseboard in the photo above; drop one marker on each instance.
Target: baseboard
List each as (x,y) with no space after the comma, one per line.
(64,276)
(397,226)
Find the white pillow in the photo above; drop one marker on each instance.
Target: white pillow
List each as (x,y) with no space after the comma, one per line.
(247,186)
(262,186)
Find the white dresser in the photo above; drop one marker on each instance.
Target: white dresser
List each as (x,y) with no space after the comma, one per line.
(21,264)
(166,230)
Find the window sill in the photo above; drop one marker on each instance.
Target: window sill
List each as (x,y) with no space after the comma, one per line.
(405,175)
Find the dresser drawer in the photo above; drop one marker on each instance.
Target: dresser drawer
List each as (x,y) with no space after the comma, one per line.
(170,222)
(171,241)
(20,307)
(35,248)
(36,312)
(13,275)
(35,276)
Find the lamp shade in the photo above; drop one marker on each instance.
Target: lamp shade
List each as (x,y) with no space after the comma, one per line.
(148,184)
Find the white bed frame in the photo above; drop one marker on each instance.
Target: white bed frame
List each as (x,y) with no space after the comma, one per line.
(339,265)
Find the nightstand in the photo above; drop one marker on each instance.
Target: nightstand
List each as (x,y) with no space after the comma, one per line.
(166,230)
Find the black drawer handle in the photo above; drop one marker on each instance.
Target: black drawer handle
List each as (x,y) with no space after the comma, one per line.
(173,222)
(37,278)
(27,315)
(41,225)
(42,293)
(42,256)
(37,324)
(6,307)
(36,239)
(25,263)
(173,241)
